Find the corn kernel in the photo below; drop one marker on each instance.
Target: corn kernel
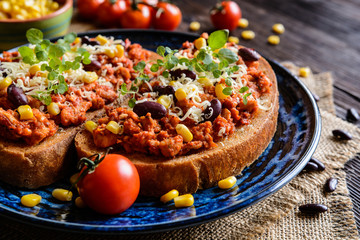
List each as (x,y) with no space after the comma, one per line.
(194,26)
(3,16)
(205,82)
(113,127)
(119,51)
(34,69)
(30,200)
(233,39)
(164,100)
(172,83)
(77,40)
(54,6)
(278,28)
(184,131)
(243,23)
(274,40)
(5,82)
(5,6)
(219,91)
(227,182)
(79,203)
(53,108)
(180,94)
(62,194)
(185,200)
(25,112)
(90,77)
(304,72)
(110,53)
(248,34)
(200,43)
(74,178)
(197,52)
(90,126)
(101,39)
(167,197)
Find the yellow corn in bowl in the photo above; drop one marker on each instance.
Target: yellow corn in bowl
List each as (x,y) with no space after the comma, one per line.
(13,31)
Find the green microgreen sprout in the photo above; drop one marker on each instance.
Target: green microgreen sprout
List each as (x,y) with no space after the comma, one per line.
(243,90)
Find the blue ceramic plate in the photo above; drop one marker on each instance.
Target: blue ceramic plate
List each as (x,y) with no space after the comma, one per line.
(296,138)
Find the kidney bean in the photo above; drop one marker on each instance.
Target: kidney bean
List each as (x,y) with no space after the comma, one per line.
(168,90)
(86,40)
(212,111)
(93,66)
(176,74)
(310,166)
(157,110)
(248,54)
(16,96)
(313,208)
(331,184)
(341,134)
(352,115)
(321,166)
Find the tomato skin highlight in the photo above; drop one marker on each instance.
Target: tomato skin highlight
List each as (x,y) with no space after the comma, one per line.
(113,187)
(108,14)
(225,15)
(168,16)
(136,18)
(88,8)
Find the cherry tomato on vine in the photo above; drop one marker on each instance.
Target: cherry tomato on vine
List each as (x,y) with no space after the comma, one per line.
(87,8)
(112,186)
(225,15)
(167,17)
(109,12)
(136,16)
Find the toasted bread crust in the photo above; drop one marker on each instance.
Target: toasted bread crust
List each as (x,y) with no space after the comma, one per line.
(191,172)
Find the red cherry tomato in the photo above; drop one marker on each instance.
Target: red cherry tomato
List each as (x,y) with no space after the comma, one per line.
(87,8)
(167,17)
(136,17)
(109,12)
(225,15)
(112,187)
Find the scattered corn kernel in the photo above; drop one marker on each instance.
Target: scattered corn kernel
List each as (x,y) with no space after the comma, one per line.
(62,194)
(197,52)
(243,23)
(109,52)
(248,34)
(185,200)
(172,83)
(227,182)
(113,127)
(77,40)
(90,77)
(101,39)
(278,28)
(183,130)
(5,82)
(180,94)
(167,197)
(274,40)
(200,43)
(30,200)
(74,178)
(219,91)
(194,26)
(79,203)
(164,100)
(53,108)
(205,82)
(90,126)
(233,39)
(119,51)
(304,72)
(34,69)
(25,112)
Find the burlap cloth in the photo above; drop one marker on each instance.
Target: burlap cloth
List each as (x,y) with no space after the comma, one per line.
(277,217)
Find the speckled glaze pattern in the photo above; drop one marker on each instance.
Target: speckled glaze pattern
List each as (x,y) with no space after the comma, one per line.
(295,140)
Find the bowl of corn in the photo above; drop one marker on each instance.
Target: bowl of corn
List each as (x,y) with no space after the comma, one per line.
(52,17)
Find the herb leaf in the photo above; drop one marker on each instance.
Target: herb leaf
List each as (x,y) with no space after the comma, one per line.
(34,36)
(228,55)
(227,91)
(243,89)
(245,98)
(218,39)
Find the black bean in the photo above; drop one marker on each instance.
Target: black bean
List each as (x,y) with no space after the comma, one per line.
(316,97)
(156,109)
(93,66)
(16,96)
(168,90)
(86,40)
(176,74)
(212,111)
(248,54)
(321,166)
(331,184)
(310,166)
(313,208)
(341,134)
(352,115)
